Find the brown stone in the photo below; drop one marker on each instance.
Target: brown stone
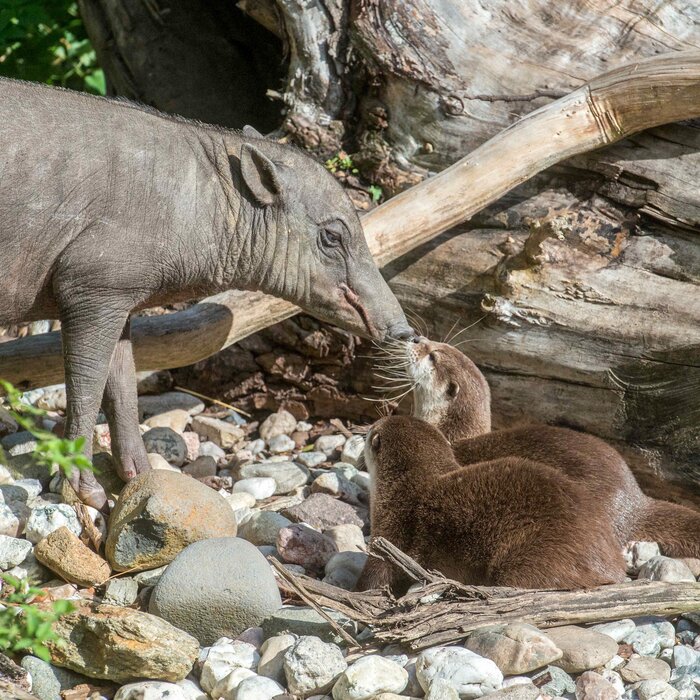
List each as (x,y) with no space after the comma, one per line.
(63,553)
(582,649)
(592,686)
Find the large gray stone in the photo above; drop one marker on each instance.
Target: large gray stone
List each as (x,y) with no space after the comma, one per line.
(48,681)
(216,588)
(158,514)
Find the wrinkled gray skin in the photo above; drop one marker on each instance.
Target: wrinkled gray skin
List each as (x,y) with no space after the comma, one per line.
(107,207)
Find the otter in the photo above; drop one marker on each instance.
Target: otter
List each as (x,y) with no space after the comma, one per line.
(509,521)
(453,395)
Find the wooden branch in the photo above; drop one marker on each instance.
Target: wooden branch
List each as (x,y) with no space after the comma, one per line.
(457,610)
(627,100)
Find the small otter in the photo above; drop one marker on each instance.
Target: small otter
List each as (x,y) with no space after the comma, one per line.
(452,394)
(504,522)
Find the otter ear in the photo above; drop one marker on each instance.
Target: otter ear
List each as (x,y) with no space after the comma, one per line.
(452,389)
(260,174)
(251,132)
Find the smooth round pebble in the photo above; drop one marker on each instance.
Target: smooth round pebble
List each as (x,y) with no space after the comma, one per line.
(258,688)
(328,444)
(223,657)
(260,487)
(281,444)
(311,666)
(280,423)
(369,676)
(150,690)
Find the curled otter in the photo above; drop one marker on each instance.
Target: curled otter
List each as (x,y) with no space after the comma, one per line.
(453,395)
(509,521)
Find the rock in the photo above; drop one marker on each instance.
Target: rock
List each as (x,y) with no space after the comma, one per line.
(260,487)
(8,424)
(582,649)
(227,687)
(31,570)
(471,675)
(10,525)
(201,467)
(685,656)
(150,690)
(121,644)
(263,527)
(303,621)
(287,475)
(10,672)
(666,569)
(656,690)
(615,630)
(149,577)
(272,656)
(281,444)
(328,444)
(13,551)
(223,657)
(191,690)
(45,519)
(239,499)
(559,681)
(311,459)
(636,554)
(515,648)
(353,449)
(592,686)
(651,635)
(158,514)
(312,666)
(339,486)
(211,449)
(121,591)
(222,433)
(520,691)
(280,423)
(167,443)
(441,690)
(215,588)
(159,462)
(22,490)
(154,382)
(693,564)
(347,538)
(322,511)
(48,681)
(66,555)
(369,676)
(169,401)
(258,688)
(20,443)
(613,678)
(176,419)
(192,444)
(300,544)
(344,568)
(643,668)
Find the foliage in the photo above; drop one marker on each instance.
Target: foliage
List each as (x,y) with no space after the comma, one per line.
(45,41)
(50,450)
(341,161)
(26,627)
(375,192)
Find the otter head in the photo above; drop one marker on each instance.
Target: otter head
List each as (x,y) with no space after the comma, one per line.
(449,390)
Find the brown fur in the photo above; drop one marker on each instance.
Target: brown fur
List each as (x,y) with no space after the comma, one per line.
(581,457)
(507,521)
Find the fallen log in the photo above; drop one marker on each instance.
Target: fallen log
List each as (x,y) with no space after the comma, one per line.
(442,611)
(627,100)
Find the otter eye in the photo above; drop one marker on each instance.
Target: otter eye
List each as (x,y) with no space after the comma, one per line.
(452,389)
(376,442)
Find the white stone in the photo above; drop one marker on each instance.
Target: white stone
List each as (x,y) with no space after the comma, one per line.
(328,444)
(262,527)
(159,462)
(312,666)
(13,551)
(666,569)
(9,522)
(211,449)
(636,554)
(98,520)
(150,690)
(471,675)
(369,676)
(618,630)
(258,688)
(353,449)
(175,419)
(26,489)
(44,520)
(280,444)
(272,655)
(227,687)
(685,656)
(260,487)
(223,657)
(280,423)
(303,427)
(191,690)
(256,446)
(656,690)
(344,568)
(347,537)
(239,499)
(310,459)
(441,690)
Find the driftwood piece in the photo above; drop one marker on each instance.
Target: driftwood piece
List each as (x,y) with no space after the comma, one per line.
(651,92)
(443,611)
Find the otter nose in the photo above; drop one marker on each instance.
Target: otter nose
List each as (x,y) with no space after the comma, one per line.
(407,334)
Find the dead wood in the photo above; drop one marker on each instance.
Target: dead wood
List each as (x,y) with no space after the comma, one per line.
(442,611)
(638,96)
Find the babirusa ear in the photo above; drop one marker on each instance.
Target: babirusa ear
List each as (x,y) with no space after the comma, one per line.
(251,132)
(260,175)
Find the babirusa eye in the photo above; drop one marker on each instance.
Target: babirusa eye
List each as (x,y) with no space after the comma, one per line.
(331,234)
